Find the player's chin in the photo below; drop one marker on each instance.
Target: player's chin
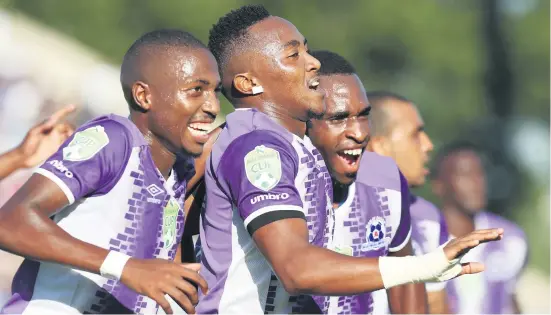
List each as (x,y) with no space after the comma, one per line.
(192,147)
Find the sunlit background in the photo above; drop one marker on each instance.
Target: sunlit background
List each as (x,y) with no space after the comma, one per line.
(477,69)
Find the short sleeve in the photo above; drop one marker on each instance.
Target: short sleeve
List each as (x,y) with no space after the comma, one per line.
(260,169)
(91,161)
(403,232)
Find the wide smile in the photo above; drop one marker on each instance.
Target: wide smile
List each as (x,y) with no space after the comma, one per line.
(200,131)
(351,157)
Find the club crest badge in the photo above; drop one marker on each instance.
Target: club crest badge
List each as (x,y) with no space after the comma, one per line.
(375,234)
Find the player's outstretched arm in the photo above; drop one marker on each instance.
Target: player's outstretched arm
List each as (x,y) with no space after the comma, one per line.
(307,269)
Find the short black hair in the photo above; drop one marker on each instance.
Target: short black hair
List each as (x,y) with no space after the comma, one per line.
(333,63)
(450,149)
(131,70)
(378,116)
(226,33)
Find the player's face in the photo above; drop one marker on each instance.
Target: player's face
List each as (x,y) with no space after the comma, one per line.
(409,143)
(342,135)
(466,181)
(185,99)
(285,69)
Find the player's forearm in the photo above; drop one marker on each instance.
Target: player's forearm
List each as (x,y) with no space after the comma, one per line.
(9,163)
(408,299)
(33,235)
(318,271)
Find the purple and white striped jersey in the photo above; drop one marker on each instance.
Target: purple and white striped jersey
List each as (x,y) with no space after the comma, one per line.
(258,172)
(373,221)
(118,201)
(429,231)
(491,291)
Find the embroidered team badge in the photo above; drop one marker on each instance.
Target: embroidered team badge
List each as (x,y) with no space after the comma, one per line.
(170,215)
(375,234)
(263,167)
(86,144)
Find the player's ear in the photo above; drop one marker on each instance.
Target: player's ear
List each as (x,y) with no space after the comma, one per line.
(246,84)
(379,145)
(141,95)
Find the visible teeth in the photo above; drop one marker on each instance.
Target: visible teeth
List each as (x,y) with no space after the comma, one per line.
(197,132)
(353,152)
(314,84)
(200,126)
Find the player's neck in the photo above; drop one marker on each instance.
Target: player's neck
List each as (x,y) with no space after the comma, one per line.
(280,115)
(340,193)
(162,157)
(459,222)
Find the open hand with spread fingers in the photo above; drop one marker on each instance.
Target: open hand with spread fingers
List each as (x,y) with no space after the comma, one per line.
(456,248)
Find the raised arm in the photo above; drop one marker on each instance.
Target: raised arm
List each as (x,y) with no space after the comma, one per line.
(39,143)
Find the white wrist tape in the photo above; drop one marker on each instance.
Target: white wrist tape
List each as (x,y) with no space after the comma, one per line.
(431,267)
(113,265)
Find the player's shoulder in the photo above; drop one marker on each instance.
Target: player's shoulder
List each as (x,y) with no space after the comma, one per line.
(379,171)
(512,230)
(247,130)
(422,209)
(112,128)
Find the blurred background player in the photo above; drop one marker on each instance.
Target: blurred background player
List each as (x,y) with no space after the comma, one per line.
(397,130)
(459,181)
(40,142)
(116,189)
(363,225)
(266,181)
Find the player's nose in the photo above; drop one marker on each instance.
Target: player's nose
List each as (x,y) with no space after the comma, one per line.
(312,64)
(212,105)
(357,131)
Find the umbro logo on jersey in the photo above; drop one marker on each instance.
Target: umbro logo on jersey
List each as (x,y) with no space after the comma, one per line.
(259,198)
(154,190)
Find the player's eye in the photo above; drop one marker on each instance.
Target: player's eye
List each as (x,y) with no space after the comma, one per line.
(295,55)
(196,89)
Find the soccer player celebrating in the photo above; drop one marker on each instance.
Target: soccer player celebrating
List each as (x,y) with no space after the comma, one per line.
(397,131)
(116,190)
(268,208)
(460,182)
(370,196)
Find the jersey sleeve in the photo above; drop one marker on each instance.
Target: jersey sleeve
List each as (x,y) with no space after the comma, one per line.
(91,161)
(403,232)
(260,169)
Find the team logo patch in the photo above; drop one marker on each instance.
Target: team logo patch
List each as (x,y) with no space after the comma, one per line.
(375,234)
(263,167)
(170,214)
(85,144)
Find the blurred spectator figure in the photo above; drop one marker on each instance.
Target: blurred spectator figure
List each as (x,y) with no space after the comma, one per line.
(460,182)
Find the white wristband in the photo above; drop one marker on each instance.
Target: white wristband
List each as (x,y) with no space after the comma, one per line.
(431,267)
(113,265)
